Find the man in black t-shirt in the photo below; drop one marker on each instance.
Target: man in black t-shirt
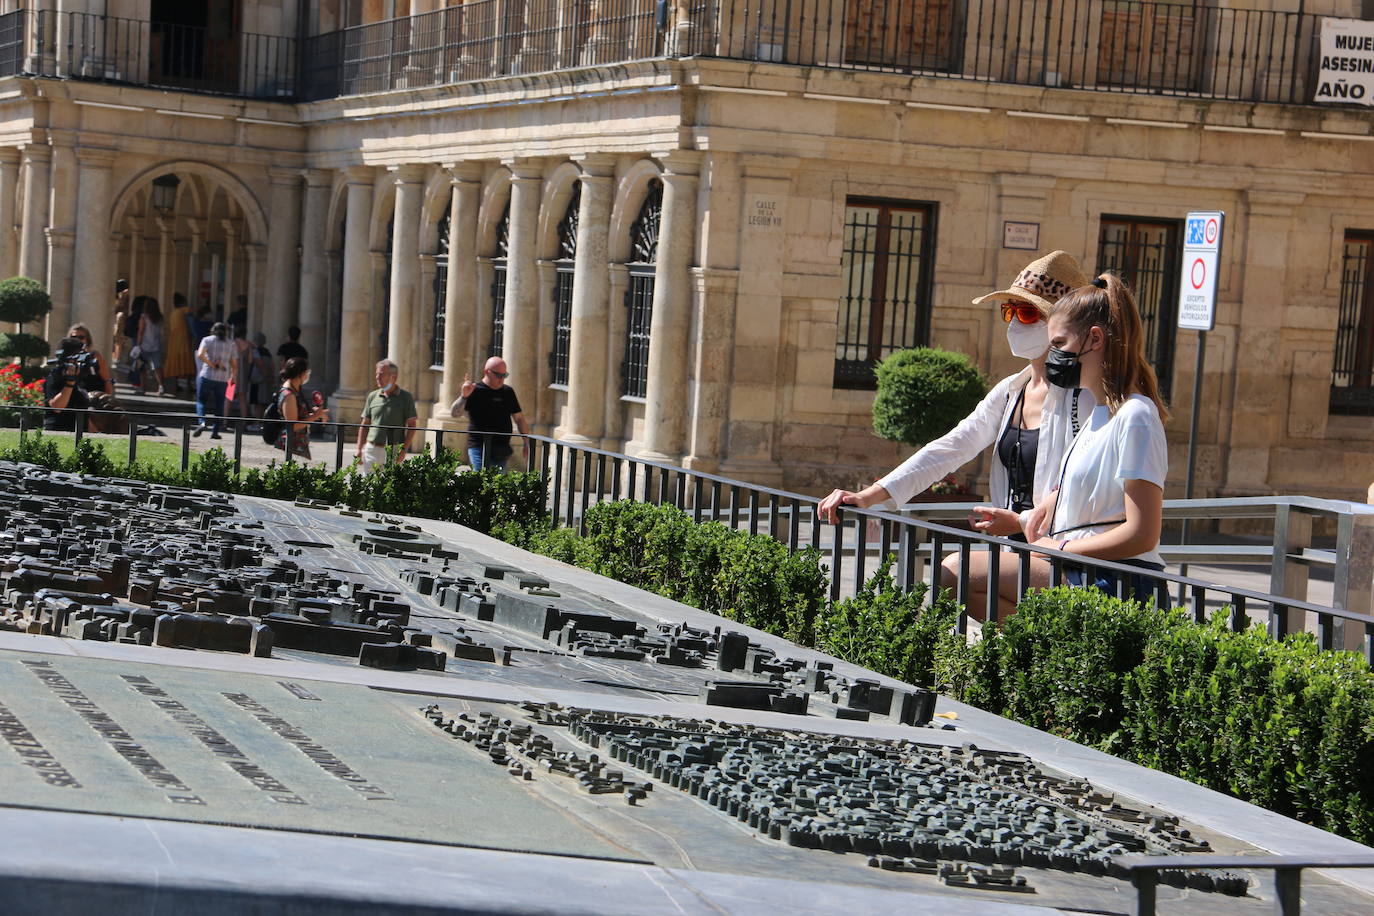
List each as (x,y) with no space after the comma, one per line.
(491,406)
(292,348)
(62,391)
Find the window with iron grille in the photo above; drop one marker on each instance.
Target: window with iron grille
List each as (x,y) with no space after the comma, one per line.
(563,289)
(1352,375)
(639,297)
(1144,253)
(885,272)
(436,334)
(384,334)
(498,285)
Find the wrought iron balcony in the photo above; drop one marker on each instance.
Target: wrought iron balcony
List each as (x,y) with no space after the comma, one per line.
(1173,48)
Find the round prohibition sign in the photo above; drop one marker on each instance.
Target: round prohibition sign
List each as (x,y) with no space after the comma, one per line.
(1211,231)
(1197,274)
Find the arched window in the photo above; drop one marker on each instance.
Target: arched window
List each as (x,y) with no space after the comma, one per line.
(563,289)
(436,334)
(498,285)
(639,297)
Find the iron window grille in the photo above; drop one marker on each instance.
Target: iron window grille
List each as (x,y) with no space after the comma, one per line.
(1144,253)
(436,334)
(639,296)
(564,271)
(1352,373)
(384,334)
(885,271)
(498,286)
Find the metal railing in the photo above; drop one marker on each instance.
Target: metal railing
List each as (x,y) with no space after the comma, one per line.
(1145,874)
(1171,48)
(579,477)
(164,55)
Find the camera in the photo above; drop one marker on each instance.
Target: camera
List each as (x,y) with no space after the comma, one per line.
(83,361)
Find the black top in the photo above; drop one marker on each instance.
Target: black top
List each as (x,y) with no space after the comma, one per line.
(66,418)
(490,409)
(291,350)
(1017,449)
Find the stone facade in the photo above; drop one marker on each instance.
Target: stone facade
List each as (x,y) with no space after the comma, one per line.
(328,214)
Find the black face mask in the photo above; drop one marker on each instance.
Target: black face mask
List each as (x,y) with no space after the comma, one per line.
(1062,367)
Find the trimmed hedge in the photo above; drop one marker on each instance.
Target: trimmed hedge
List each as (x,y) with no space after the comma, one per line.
(421,486)
(1279,723)
(749,578)
(923,393)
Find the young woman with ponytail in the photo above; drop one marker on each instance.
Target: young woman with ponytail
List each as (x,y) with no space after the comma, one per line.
(1109,500)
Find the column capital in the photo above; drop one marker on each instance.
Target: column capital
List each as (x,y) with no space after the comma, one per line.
(165,225)
(596,165)
(279,177)
(679,162)
(63,137)
(9,155)
(317,178)
(60,238)
(1273,203)
(459,172)
(231,228)
(360,174)
(95,157)
(524,168)
(37,152)
(410,173)
(254,251)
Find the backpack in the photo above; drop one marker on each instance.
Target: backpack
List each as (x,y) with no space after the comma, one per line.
(272,422)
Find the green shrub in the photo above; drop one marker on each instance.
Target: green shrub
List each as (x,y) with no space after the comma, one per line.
(888,630)
(23,301)
(924,393)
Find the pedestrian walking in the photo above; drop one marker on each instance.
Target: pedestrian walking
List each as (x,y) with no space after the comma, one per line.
(388,421)
(492,407)
(218,360)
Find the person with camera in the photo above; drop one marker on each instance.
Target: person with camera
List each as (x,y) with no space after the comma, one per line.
(67,401)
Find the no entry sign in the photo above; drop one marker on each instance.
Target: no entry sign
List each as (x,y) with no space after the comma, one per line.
(1197,294)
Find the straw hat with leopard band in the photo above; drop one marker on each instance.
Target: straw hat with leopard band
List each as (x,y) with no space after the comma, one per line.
(1043,281)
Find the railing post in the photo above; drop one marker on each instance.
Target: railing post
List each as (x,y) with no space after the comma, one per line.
(1146,881)
(133,439)
(1288,575)
(1354,579)
(185,445)
(338,446)
(1288,890)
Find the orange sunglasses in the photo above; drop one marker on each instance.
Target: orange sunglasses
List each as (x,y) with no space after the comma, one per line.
(1023,312)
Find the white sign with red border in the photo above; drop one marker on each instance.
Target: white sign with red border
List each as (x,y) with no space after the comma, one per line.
(1197,293)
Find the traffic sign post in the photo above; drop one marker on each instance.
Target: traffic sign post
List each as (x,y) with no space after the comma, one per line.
(1197,311)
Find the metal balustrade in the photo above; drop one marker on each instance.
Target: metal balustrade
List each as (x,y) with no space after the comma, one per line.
(579,477)
(1145,874)
(1134,46)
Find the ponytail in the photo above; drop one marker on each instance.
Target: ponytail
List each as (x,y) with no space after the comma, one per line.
(1108,303)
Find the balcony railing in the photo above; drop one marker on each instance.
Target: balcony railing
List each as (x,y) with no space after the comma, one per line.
(1139,46)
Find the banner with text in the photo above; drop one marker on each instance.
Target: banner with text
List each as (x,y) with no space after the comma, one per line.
(1346,73)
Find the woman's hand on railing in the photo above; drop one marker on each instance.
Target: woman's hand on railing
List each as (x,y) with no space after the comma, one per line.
(829,508)
(992,520)
(1038,519)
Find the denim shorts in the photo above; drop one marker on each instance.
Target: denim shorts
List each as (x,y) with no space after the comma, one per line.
(1140,586)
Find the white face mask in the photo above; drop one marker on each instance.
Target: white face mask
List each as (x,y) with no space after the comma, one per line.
(1028,341)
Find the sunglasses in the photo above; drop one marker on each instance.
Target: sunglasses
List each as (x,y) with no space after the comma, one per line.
(1023,312)
(498,374)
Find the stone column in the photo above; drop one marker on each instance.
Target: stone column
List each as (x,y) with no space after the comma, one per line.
(9,184)
(277,311)
(255,254)
(194,246)
(94,272)
(355,333)
(460,296)
(587,349)
(314,266)
(402,347)
(61,233)
(164,253)
(231,257)
(613,432)
(32,241)
(665,394)
(522,282)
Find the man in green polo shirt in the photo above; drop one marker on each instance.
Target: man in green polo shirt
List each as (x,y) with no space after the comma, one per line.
(387,407)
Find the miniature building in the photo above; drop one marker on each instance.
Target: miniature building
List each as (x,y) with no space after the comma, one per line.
(691,229)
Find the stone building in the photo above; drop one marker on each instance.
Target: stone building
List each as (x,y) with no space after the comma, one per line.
(692,227)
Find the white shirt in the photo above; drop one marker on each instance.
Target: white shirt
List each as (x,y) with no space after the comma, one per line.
(979,430)
(1108,452)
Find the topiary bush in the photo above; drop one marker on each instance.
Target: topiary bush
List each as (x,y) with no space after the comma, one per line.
(924,393)
(23,301)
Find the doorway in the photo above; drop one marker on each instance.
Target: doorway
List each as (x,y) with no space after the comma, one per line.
(194,45)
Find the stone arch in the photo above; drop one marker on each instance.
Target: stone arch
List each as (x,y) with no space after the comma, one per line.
(629,197)
(558,185)
(383,209)
(254,215)
(438,195)
(495,196)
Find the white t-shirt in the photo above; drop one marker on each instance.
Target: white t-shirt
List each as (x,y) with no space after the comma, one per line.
(1109,451)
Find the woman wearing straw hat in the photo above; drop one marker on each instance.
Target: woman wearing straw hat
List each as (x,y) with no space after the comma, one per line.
(1030,422)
